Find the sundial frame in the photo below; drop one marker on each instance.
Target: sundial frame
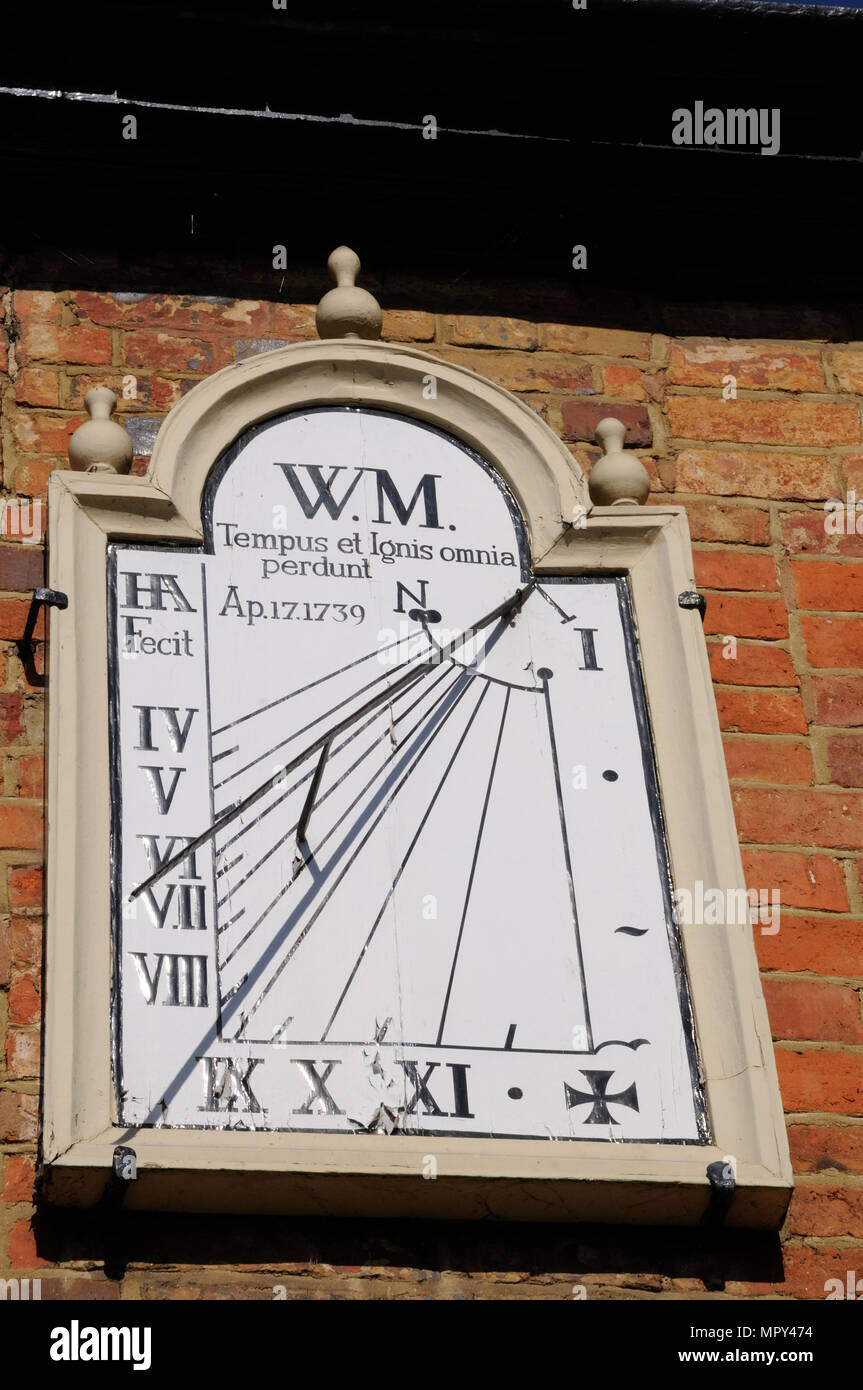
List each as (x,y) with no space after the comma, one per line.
(377,1173)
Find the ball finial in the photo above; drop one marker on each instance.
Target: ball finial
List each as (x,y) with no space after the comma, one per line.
(100,445)
(619,478)
(347,311)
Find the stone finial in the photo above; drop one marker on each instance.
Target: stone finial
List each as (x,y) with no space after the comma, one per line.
(100,445)
(347,311)
(619,477)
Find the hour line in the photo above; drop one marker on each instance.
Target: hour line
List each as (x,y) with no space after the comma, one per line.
(467,685)
(410,850)
(244,829)
(472,874)
(545,675)
(370,749)
(252,714)
(360,794)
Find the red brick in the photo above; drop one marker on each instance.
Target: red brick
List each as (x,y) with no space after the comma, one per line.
(727,473)
(524,372)
(23,1053)
(169,1288)
(407,326)
(20,827)
(22,937)
(745,617)
(831,819)
(833,641)
(819,1210)
(852,472)
(295,323)
(22,567)
(804,880)
(37,386)
(28,772)
(156,395)
(11,721)
(813,1011)
(764,422)
(177,313)
(604,342)
(848,370)
(580,419)
(775,366)
(77,1290)
(25,886)
(805,532)
(838,700)
(37,306)
(468,330)
(759,712)
(845,759)
(715,521)
(751,664)
(19,1174)
(30,479)
(151,349)
(833,585)
(753,760)
(81,344)
(43,433)
(25,1000)
(624,383)
(822,945)
(22,1247)
(807,1270)
(19,1115)
(815,1081)
(820,1148)
(731,569)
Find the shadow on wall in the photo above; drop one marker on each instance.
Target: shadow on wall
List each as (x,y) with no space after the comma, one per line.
(643,1257)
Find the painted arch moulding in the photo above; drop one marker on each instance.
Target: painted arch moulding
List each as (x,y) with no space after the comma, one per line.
(544,478)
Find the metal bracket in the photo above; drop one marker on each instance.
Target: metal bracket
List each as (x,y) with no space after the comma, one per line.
(723,1186)
(690,598)
(124,1170)
(51,598)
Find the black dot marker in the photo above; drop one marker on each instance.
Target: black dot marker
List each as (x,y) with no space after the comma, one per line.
(515,1093)
(610,775)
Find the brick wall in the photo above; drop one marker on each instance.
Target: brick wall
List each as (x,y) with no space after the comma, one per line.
(753,472)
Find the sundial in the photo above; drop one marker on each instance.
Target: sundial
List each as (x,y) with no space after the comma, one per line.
(448,939)
(399,744)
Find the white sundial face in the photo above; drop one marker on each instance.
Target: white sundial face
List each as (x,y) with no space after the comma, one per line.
(401,803)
